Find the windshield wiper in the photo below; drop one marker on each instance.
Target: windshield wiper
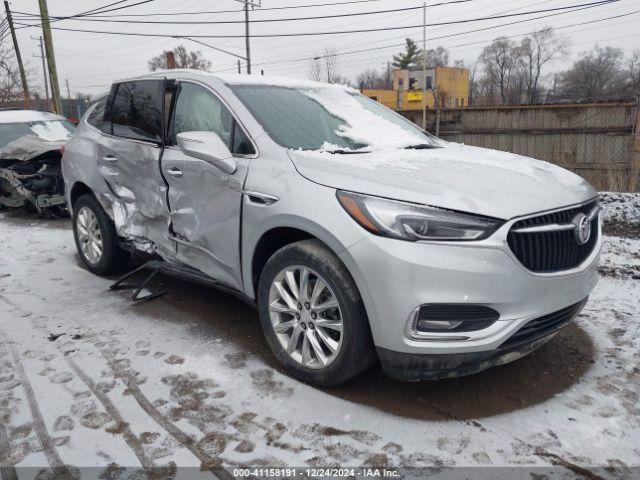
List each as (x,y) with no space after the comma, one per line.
(422,146)
(347,152)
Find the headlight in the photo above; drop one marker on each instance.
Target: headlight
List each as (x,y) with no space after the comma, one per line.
(413,222)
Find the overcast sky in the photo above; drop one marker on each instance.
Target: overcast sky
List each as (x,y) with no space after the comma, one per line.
(92,61)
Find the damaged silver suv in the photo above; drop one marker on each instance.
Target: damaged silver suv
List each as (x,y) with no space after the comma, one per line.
(358,236)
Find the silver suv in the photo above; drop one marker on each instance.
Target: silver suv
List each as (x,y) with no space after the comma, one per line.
(358,236)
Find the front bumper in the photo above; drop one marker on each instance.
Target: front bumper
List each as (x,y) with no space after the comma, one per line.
(395,277)
(416,367)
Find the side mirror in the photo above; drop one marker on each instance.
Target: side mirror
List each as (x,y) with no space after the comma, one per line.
(209,147)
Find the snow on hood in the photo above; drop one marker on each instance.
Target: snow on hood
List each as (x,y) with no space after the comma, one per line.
(28,147)
(52,131)
(456,177)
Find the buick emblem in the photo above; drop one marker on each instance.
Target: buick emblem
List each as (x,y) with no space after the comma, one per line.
(582,228)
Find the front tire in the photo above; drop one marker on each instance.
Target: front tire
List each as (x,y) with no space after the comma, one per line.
(313,316)
(96,238)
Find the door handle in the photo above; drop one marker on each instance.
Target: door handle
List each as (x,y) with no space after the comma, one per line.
(109,159)
(174,172)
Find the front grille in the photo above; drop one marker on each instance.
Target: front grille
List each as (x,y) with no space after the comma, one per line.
(543,326)
(548,252)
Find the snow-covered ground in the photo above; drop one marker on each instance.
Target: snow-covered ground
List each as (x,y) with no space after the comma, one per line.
(89,379)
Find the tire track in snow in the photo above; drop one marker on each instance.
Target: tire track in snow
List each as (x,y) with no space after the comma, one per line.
(214,465)
(7,472)
(132,441)
(60,470)
(209,463)
(123,427)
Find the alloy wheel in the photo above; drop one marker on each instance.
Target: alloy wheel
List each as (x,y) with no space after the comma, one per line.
(89,235)
(306,316)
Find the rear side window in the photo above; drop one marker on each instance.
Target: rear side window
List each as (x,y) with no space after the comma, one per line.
(136,111)
(96,116)
(198,110)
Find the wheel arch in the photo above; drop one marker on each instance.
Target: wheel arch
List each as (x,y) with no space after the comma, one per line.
(78,189)
(278,236)
(269,243)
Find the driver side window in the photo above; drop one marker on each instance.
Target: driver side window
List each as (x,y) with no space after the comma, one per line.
(198,110)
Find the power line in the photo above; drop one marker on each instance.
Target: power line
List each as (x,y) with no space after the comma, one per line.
(132,72)
(102,9)
(302,34)
(99,14)
(371,49)
(99,9)
(479,42)
(270,20)
(87,12)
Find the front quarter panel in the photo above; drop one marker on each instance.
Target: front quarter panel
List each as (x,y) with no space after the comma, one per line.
(301,204)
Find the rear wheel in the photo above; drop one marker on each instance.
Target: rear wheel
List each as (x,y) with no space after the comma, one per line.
(312,315)
(96,238)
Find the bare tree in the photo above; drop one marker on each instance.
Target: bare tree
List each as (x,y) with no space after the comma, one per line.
(596,75)
(184,59)
(10,84)
(500,61)
(539,50)
(633,71)
(325,68)
(474,86)
(370,79)
(10,81)
(438,57)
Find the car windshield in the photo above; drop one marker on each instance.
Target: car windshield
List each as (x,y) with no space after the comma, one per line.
(48,130)
(329,118)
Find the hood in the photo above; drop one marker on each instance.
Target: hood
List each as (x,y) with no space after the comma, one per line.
(29,147)
(456,177)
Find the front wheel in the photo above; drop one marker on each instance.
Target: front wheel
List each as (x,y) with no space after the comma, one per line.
(313,316)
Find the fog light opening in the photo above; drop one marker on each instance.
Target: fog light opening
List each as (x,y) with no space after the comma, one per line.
(450,318)
(424,325)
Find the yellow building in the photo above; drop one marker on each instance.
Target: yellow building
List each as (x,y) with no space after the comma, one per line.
(452,85)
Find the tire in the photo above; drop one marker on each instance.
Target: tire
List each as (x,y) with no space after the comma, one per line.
(112,258)
(354,353)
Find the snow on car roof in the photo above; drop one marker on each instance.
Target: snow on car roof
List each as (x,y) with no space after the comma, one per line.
(243,79)
(20,116)
(238,79)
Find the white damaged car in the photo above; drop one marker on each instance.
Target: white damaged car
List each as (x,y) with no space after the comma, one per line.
(31,145)
(358,236)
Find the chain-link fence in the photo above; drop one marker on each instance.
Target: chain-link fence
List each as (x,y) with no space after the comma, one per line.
(596,140)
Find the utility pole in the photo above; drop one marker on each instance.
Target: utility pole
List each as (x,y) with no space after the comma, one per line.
(68,90)
(436,96)
(253,4)
(246,36)
(51,58)
(239,67)
(44,69)
(23,76)
(387,81)
(424,66)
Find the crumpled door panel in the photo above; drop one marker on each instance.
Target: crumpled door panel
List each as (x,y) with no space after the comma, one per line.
(131,169)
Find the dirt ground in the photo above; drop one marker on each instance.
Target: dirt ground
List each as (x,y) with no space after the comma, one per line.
(88,379)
